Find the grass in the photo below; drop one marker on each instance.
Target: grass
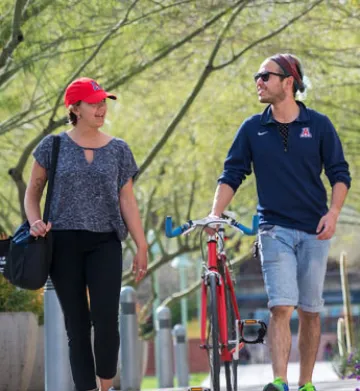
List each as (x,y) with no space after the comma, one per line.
(150,382)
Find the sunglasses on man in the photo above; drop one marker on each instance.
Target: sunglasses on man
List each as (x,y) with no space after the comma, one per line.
(264,76)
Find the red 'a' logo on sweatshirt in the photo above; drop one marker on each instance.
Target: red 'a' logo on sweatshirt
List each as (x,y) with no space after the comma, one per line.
(305,132)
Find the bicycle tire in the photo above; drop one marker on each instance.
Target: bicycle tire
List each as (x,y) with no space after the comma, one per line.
(230,366)
(213,335)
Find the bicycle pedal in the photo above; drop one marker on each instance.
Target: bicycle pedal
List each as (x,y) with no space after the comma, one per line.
(250,321)
(198,389)
(261,331)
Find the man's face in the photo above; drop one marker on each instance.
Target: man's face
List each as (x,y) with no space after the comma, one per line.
(269,83)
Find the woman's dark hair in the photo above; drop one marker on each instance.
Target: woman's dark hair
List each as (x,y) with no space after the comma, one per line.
(73,119)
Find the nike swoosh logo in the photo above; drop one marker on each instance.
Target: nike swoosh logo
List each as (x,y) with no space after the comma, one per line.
(261,133)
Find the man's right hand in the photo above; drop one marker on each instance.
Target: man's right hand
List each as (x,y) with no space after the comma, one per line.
(209,230)
(39,228)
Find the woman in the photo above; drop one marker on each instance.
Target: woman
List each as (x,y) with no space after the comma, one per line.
(92,209)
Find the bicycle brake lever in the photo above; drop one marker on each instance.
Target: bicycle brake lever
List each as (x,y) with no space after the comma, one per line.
(228,214)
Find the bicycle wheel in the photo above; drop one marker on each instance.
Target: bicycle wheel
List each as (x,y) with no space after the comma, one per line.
(213,335)
(231,366)
(231,375)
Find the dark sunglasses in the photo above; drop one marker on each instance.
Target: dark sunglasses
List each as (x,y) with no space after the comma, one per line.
(264,76)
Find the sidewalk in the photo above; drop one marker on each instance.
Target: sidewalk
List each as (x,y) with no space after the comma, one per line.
(260,374)
(254,377)
(339,385)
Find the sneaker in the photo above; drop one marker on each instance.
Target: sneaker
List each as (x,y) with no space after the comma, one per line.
(307,387)
(278,385)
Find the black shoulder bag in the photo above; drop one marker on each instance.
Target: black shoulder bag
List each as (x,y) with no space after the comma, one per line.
(28,259)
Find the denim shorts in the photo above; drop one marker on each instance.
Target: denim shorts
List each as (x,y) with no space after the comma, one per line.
(294,267)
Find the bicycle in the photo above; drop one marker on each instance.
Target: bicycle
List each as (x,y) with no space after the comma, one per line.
(224,336)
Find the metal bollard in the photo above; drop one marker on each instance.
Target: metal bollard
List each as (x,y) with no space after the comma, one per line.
(165,359)
(130,362)
(57,364)
(181,356)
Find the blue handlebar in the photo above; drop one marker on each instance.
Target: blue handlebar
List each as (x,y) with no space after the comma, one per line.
(171,233)
(250,231)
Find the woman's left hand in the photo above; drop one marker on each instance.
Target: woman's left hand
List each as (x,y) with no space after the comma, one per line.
(139,267)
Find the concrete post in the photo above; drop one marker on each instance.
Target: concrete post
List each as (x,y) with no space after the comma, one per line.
(130,372)
(181,356)
(57,364)
(165,359)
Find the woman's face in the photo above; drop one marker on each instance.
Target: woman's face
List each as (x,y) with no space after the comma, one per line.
(91,114)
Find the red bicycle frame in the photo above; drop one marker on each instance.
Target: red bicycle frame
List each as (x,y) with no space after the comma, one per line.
(213,258)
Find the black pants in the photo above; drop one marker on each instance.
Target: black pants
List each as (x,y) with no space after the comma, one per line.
(82,260)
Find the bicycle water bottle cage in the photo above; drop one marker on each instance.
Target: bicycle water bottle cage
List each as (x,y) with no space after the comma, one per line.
(261,331)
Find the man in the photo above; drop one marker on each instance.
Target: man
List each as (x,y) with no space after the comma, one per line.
(289,145)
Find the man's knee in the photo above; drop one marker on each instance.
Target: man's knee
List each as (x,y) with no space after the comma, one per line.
(282,312)
(307,315)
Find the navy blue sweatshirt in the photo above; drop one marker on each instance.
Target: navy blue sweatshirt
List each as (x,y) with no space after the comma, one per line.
(291,193)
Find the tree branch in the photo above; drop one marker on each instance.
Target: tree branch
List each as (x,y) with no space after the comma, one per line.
(129,279)
(29,148)
(21,187)
(39,56)
(16,34)
(268,36)
(9,204)
(148,214)
(91,57)
(170,49)
(52,125)
(112,85)
(192,96)
(176,297)
(192,197)
(5,220)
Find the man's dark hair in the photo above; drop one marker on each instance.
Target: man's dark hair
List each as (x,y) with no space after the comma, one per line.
(291,66)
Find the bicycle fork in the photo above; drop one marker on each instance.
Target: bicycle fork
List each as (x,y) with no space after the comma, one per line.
(204,303)
(222,315)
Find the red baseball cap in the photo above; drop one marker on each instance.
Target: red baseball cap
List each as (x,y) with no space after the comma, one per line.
(85,89)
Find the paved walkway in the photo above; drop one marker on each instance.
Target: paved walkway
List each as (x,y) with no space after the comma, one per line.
(339,385)
(260,374)
(254,377)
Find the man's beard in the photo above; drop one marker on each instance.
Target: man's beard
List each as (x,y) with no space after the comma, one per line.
(273,99)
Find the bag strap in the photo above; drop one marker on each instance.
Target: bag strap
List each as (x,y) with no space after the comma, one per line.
(54,157)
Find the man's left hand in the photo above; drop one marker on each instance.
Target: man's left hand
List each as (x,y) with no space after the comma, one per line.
(327,225)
